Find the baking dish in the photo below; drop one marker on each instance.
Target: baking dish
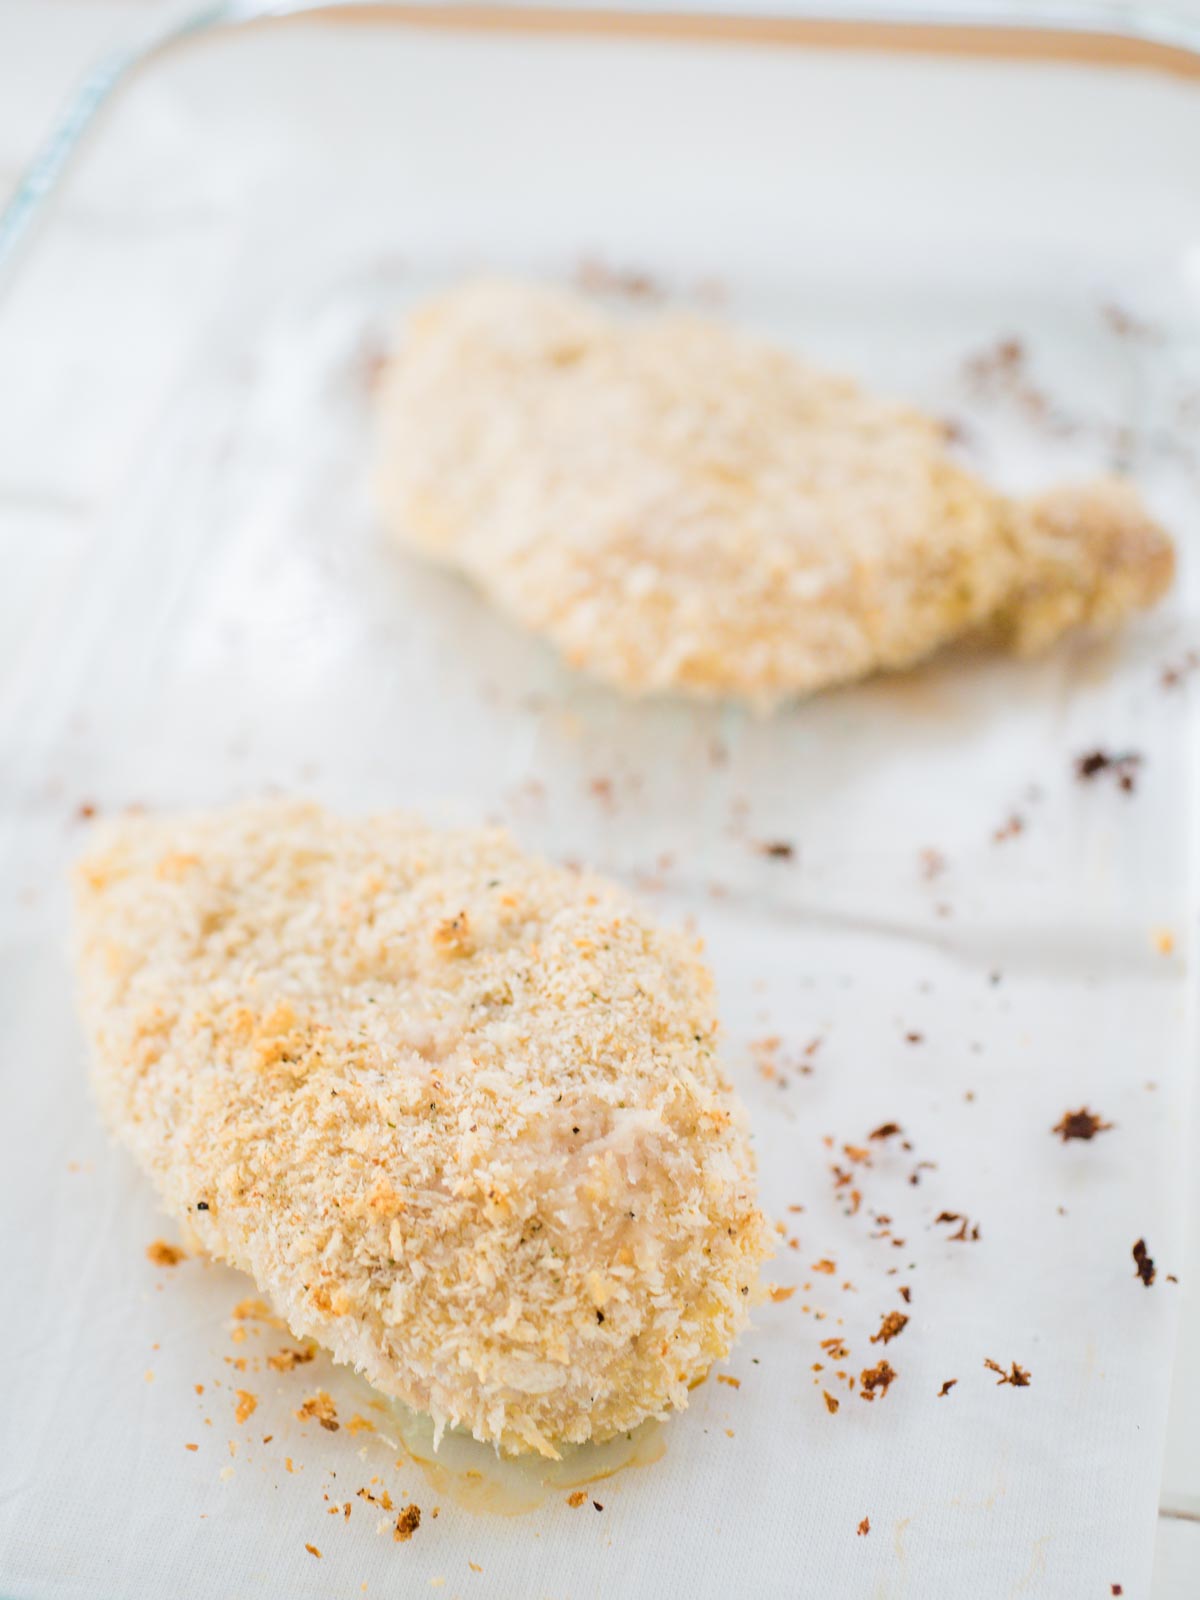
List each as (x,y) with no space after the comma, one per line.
(202,607)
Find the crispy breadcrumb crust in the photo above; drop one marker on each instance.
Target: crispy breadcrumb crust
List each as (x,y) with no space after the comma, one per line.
(459,1112)
(680,507)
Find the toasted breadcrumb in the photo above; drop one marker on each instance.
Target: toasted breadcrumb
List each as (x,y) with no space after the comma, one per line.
(163,1254)
(407,1523)
(681,507)
(381,1129)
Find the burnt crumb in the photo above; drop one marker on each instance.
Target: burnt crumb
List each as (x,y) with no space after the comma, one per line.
(1081,1124)
(885,1130)
(201,1205)
(597,1505)
(777,850)
(1123,768)
(599,1316)
(1115,1588)
(892,1326)
(1016,1375)
(876,1380)
(1143,1262)
(946,1387)
(1176,673)
(864,1527)
(407,1524)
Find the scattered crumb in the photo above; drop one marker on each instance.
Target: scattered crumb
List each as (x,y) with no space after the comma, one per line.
(1009,828)
(1017,1376)
(831,1402)
(1176,673)
(576,1500)
(1123,768)
(946,1387)
(826,1266)
(734,1383)
(914,1038)
(163,1254)
(779,1291)
(877,1379)
(885,1130)
(247,1404)
(407,1524)
(286,1360)
(933,864)
(313,1551)
(1081,1124)
(191,1447)
(864,1527)
(594,276)
(1164,941)
(474,1566)
(1143,1262)
(321,1407)
(893,1324)
(777,849)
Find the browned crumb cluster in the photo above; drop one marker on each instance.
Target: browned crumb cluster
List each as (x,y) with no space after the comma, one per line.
(319,1407)
(876,1380)
(1081,1124)
(407,1523)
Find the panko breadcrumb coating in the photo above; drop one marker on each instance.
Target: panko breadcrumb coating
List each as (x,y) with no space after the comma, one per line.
(459,1112)
(681,507)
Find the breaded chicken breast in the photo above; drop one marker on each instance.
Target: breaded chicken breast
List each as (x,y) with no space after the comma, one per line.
(460,1113)
(680,507)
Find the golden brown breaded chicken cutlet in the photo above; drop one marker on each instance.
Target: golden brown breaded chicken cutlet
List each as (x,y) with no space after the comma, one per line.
(459,1112)
(678,506)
